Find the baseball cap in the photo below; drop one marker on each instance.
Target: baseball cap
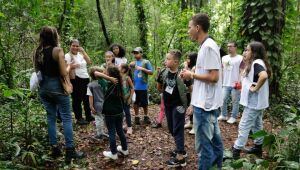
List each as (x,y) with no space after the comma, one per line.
(138,49)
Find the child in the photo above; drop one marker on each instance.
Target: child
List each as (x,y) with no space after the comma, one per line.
(142,68)
(109,60)
(119,53)
(189,64)
(96,100)
(161,114)
(113,112)
(128,90)
(254,96)
(174,94)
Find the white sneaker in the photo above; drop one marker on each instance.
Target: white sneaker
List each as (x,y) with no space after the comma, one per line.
(108,154)
(188,125)
(192,132)
(231,120)
(221,117)
(119,148)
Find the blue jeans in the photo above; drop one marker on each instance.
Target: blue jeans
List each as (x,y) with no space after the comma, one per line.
(208,142)
(175,122)
(127,114)
(251,120)
(113,124)
(235,96)
(53,99)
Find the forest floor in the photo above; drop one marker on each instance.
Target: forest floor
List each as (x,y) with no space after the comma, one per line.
(148,147)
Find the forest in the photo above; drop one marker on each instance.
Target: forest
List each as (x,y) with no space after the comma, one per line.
(157,26)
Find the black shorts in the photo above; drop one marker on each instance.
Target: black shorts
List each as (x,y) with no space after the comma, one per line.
(141,98)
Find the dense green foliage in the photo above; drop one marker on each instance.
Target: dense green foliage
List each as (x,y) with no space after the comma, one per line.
(157,26)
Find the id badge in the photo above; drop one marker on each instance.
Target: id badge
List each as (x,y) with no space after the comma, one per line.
(169,89)
(140,74)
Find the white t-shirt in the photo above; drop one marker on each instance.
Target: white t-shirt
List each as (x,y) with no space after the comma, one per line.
(119,61)
(231,69)
(208,96)
(78,59)
(89,92)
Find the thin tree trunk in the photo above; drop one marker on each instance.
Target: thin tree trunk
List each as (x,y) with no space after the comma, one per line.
(141,21)
(183,5)
(62,17)
(102,24)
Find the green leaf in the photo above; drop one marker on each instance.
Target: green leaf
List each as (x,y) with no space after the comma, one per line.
(270,16)
(253,3)
(2,15)
(238,163)
(270,23)
(292,164)
(269,140)
(267,9)
(259,134)
(247,165)
(7,93)
(294,109)
(262,162)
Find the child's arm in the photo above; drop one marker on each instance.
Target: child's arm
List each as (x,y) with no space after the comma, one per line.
(131,89)
(159,87)
(91,101)
(102,75)
(262,77)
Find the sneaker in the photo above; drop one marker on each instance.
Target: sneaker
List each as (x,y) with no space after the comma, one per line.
(102,136)
(174,162)
(192,132)
(129,130)
(82,122)
(137,121)
(90,119)
(188,125)
(174,153)
(156,125)
(109,155)
(231,120)
(221,117)
(125,153)
(147,120)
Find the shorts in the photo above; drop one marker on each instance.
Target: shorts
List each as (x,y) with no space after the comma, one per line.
(141,98)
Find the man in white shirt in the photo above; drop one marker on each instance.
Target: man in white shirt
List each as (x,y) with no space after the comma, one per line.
(231,82)
(206,99)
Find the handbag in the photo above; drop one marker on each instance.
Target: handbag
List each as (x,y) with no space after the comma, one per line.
(66,83)
(65,79)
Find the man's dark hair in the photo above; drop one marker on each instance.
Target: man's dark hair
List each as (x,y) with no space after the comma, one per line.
(176,54)
(201,20)
(232,42)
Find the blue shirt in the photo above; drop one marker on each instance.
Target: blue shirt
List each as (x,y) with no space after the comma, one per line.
(139,84)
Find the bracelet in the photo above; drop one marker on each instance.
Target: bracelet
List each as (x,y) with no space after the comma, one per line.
(192,75)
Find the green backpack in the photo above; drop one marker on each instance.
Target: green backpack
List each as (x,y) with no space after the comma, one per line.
(144,75)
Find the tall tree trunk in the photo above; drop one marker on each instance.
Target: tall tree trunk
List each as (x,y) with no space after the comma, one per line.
(183,5)
(142,23)
(62,18)
(102,24)
(264,22)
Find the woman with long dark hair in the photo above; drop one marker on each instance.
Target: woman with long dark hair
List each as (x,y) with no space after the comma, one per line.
(50,65)
(113,112)
(119,53)
(254,97)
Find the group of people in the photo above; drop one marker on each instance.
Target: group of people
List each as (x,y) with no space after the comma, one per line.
(193,88)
